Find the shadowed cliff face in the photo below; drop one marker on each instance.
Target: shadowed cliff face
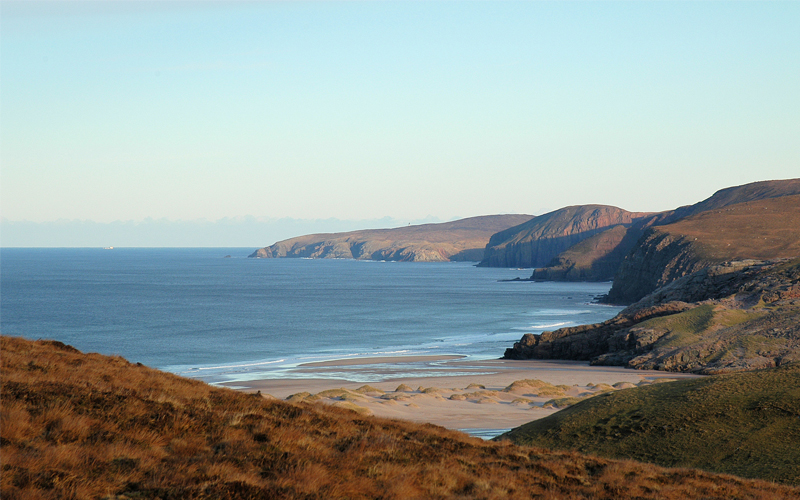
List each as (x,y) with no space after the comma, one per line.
(461,240)
(536,242)
(762,229)
(713,293)
(593,259)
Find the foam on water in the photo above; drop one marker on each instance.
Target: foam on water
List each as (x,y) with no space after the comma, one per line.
(545,326)
(193,312)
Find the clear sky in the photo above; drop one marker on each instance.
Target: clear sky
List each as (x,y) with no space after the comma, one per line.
(360,110)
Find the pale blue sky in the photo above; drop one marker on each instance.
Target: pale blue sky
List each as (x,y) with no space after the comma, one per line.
(361,110)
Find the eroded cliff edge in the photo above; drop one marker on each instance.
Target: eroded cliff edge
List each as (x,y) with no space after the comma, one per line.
(716,291)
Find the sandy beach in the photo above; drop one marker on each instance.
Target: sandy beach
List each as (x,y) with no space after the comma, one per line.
(452,391)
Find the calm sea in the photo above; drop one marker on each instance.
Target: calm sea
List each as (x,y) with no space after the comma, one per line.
(197,313)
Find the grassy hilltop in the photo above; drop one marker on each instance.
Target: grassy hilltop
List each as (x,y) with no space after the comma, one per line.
(77,425)
(746,424)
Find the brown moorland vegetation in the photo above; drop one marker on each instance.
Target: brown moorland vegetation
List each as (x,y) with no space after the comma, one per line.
(761,229)
(597,258)
(77,425)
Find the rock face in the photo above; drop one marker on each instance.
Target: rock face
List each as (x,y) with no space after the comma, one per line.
(461,240)
(539,240)
(594,259)
(731,317)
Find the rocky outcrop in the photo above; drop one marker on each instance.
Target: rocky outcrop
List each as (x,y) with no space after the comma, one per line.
(461,240)
(585,342)
(730,317)
(538,241)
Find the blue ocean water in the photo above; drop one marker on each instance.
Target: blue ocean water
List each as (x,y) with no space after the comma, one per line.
(194,312)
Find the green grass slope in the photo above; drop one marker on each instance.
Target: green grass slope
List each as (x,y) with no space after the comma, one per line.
(746,424)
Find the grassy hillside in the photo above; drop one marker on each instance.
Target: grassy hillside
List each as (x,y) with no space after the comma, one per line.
(79,425)
(734,195)
(461,240)
(746,424)
(761,229)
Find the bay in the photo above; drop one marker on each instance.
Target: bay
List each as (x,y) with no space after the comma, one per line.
(194,312)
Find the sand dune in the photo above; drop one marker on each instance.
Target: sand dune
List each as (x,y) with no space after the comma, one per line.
(451,391)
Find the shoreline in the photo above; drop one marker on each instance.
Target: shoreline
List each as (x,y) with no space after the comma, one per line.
(381,360)
(451,391)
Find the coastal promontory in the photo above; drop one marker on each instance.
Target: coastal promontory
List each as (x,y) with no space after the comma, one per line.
(536,242)
(601,255)
(460,240)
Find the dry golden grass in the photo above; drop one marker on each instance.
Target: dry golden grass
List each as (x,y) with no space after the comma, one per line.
(761,229)
(79,425)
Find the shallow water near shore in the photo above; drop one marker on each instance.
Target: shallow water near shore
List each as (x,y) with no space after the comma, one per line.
(199,314)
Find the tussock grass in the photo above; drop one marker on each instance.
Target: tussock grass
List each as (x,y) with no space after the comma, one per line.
(340,394)
(298,397)
(368,389)
(537,387)
(522,401)
(111,429)
(430,390)
(527,384)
